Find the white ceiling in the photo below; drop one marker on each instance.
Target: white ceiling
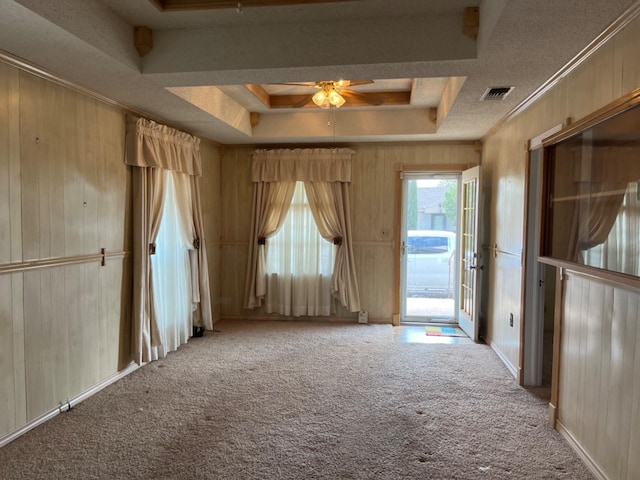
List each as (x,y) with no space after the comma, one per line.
(194,76)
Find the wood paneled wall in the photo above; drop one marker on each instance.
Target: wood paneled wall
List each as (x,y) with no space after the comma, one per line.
(610,73)
(599,370)
(211,212)
(64,192)
(373,210)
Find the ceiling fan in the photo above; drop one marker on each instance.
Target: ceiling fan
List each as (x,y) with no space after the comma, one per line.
(335,93)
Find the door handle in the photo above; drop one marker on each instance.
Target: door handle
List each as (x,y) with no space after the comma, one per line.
(404,248)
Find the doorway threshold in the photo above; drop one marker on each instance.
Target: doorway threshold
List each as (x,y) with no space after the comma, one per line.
(435,322)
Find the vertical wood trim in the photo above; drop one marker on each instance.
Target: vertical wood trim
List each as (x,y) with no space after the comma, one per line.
(557,339)
(523,279)
(20,392)
(397,240)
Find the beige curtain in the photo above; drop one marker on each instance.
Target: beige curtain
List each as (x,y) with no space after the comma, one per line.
(148,198)
(202,316)
(271,202)
(601,177)
(329,203)
(150,149)
(274,173)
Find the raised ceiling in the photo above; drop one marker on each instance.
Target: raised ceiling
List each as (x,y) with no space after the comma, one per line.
(222,72)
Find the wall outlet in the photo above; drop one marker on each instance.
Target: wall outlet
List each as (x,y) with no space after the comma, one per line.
(511,319)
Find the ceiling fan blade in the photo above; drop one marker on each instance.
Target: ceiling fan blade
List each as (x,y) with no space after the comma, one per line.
(351,83)
(302,102)
(369,98)
(291,84)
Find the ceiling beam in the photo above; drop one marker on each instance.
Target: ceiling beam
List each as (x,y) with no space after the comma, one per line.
(387,98)
(172,5)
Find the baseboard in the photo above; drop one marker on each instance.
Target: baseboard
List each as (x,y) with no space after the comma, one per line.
(502,356)
(66,406)
(582,453)
(279,318)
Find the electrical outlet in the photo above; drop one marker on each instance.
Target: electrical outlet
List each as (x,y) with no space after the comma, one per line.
(511,319)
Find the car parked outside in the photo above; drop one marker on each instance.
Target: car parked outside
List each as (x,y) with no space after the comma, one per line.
(430,263)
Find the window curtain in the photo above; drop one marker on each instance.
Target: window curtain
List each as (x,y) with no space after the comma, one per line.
(171,269)
(329,202)
(282,167)
(621,251)
(152,148)
(601,175)
(299,264)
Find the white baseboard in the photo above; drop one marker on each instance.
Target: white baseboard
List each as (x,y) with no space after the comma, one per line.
(501,356)
(66,406)
(582,453)
(279,318)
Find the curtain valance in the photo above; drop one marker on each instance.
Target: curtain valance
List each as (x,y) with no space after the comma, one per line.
(304,165)
(150,144)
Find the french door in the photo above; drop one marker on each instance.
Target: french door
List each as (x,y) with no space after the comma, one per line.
(471,261)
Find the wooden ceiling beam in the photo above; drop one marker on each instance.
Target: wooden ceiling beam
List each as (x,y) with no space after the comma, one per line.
(388,98)
(172,5)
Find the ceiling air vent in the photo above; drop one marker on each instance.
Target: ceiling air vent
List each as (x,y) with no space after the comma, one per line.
(496,93)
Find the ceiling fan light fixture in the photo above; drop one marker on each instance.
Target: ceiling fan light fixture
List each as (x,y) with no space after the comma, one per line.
(336,99)
(328,96)
(320,98)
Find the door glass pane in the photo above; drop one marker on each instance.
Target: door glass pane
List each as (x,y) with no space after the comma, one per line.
(430,263)
(468,246)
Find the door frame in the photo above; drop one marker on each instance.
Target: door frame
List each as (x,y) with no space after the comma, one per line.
(532,332)
(400,170)
(403,256)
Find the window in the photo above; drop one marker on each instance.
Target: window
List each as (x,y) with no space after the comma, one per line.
(299,263)
(593,196)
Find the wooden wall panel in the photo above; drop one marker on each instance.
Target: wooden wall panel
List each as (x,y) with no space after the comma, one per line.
(211,211)
(627,67)
(12,370)
(600,338)
(64,191)
(237,191)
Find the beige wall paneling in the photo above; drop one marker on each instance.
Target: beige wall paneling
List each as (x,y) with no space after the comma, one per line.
(70,195)
(600,338)
(588,89)
(504,164)
(12,376)
(372,218)
(236,192)
(627,66)
(210,185)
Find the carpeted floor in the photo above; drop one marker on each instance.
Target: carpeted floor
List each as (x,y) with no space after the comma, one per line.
(297,401)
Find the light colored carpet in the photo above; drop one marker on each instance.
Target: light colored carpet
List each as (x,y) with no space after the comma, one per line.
(297,401)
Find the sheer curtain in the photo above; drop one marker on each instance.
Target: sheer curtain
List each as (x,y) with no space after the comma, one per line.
(280,169)
(621,250)
(299,264)
(171,269)
(152,150)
